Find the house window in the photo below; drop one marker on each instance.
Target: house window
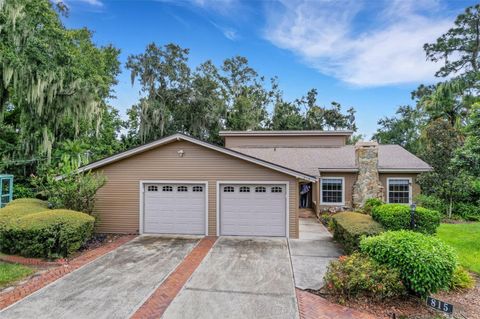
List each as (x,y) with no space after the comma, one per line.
(244,189)
(260,189)
(182,189)
(167,188)
(332,191)
(152,188)
(197,188)
(399,191)
(276,189)
(228,189)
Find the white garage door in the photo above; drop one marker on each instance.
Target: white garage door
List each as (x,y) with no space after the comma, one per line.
(253,210)
(174,209)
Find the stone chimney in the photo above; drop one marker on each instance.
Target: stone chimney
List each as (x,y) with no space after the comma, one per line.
(368,183)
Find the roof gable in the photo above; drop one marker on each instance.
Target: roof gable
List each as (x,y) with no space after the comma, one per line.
(178,137)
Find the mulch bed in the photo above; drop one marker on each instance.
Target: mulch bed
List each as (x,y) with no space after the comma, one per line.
(466,305)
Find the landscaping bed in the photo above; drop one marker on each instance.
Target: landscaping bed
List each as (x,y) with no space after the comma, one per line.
(427,260)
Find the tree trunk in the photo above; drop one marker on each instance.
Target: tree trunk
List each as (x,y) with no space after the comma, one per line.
(450,208)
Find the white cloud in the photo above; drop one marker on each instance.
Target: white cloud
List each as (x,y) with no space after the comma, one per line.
(228,32)
(338,39)
(96,3)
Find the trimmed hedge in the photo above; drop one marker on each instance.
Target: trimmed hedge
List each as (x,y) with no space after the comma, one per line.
(30,229)
(425,263)
(397,217)
(349,227)
(50,234)
(22,207)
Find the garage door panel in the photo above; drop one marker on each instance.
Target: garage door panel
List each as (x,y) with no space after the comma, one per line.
(174,211)
(252,213)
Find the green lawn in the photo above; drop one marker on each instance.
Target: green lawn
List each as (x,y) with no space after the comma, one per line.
(465,238)
(11,272)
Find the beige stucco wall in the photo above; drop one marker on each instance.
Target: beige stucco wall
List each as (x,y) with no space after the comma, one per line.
(117,202)
(284,141)
(415,187)
(350,179)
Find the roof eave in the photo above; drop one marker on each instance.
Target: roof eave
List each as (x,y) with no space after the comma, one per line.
(179,136)
(286,133)
(405,170)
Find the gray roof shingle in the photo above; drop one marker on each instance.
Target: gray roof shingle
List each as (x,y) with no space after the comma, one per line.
(311,160)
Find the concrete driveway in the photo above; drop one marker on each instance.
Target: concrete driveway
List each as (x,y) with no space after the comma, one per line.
(112,286)
(240,278)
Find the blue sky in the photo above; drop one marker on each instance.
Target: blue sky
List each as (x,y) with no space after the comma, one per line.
(366,54)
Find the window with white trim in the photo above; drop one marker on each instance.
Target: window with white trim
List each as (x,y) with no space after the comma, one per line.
(399,191)
(332,190)
(182,189)
(152,188)
(244,189)
(276,189)
(260,189)
(197,188)
(228,189)
(167,189)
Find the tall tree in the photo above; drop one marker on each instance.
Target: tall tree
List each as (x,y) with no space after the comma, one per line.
(245,94)
(53,80)
(459,48)
(402,129)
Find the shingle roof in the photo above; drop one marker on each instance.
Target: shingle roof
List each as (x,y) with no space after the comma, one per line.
(393,158)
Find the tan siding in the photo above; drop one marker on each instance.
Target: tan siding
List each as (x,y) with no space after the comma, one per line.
(415,187)
(350,179)
(117,203)
(288,141)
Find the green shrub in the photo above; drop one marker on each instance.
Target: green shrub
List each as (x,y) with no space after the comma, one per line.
(360,276)
(370,204)
(467,211)
(431,202)
(21,207)
(397,217)
(35,201)
(22,191)
(48,234)
(461,279)
(73,191)
(349,227)
(425,263)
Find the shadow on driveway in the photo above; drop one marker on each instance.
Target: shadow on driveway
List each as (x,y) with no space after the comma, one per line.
(113,286)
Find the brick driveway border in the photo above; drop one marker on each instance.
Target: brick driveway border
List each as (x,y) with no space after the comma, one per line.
(157,303)
(36,283)
(312,306)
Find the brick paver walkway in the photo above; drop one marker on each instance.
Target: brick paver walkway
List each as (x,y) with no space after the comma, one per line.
(315,307)
(10,297)
(158,302)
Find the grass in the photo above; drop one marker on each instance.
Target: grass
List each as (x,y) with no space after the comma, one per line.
(465,238)
(12,272)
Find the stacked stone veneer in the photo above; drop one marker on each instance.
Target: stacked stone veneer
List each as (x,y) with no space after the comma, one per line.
(368,183)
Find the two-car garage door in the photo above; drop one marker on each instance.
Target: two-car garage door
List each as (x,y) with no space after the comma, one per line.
(244,209)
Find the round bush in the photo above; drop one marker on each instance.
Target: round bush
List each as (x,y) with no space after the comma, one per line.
(425,263)
(397,217)
(22,207)
(370,204)
(360,276)
(48,234)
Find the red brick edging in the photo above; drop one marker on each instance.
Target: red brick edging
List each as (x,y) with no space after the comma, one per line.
(315,307)
(31,261)
(35,283)
(161,298)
